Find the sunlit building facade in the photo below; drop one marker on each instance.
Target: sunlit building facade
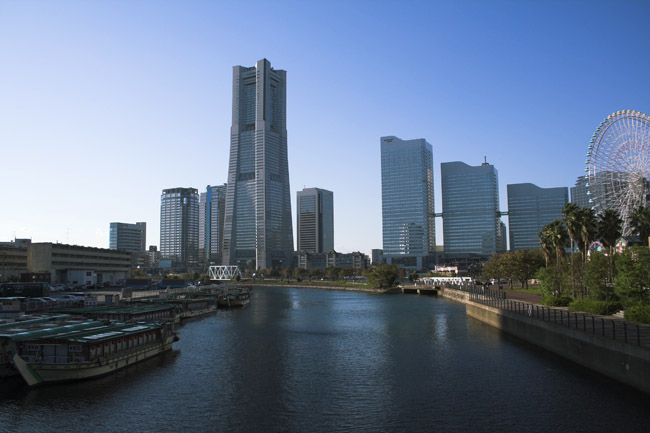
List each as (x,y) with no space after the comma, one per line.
(408,219)
(530,208)
(179,226)
(579,192)
(258,231)
(128,237)
(212,206)
(470,210)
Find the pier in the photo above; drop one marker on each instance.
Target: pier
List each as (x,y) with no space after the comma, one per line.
(420,290)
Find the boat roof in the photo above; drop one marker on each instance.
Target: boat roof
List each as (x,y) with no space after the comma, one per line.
(35,321)
(90,331)
(121,309)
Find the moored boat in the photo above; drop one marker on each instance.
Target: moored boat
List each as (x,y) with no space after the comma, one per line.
(86,350)
(234,297)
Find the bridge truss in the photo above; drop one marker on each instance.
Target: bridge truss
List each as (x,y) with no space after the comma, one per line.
(224,273)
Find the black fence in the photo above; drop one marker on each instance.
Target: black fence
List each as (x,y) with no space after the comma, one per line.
(616,329)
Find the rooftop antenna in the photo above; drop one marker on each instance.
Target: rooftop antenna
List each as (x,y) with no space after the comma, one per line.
(485,161)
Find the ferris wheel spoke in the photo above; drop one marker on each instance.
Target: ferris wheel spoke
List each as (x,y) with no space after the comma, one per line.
(618,168)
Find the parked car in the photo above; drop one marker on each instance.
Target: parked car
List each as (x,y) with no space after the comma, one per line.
(57,288)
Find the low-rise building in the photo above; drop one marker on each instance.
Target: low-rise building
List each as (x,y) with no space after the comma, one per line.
(333,259)
(77,265)
(13,260)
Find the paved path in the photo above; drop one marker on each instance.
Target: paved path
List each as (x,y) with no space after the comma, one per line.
(524,297)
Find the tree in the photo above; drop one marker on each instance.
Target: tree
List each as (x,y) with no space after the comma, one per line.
(558,237)
(588,227)
(571,213)
(610,226)
(552,279)
(383,276)
(632,282)
(546,243)
(597,278)
(347,272)
(492,268)
(413,276)
(640,223)
(316,273)
(500,266)
(571,221)
(300,273)
(332,273)
(555,235)
(525,264)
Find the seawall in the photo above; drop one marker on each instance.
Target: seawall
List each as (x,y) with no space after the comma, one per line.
(625,362)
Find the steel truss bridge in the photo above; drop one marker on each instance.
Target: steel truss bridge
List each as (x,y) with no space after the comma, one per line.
(224,273)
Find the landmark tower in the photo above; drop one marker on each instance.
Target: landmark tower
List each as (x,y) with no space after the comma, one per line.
(258,232)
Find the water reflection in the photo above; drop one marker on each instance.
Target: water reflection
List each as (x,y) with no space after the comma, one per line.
(311,360)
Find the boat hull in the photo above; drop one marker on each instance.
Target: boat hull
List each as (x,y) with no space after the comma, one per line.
(35,373)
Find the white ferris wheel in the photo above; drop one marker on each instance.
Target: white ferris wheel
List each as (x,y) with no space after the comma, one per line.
(618,164)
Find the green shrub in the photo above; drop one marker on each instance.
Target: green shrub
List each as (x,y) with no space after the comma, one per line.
(594,306)
(638,313)
(556,301)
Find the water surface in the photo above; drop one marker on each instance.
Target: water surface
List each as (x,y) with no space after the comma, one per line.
(307,360)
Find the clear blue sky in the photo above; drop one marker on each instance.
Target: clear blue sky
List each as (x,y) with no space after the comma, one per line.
(103,104)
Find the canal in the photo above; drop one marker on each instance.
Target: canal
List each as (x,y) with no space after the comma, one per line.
(306,360)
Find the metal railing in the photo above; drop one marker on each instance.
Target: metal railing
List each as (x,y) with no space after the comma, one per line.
(616,329)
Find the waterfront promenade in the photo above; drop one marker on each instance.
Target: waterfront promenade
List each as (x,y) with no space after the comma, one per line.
(609,345)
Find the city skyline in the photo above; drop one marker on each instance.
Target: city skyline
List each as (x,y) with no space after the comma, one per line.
(96,97)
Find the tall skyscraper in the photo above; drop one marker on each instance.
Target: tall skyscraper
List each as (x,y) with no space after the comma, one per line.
(579,193)
(212,205)
(128,237)
(470,210)
(179,225)
(530,208)
(315,220)
(258,232)
(408,218)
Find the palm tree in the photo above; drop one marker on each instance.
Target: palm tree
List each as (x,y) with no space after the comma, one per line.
(546,243)
(640,222)
(571,213)
(588,227)
(556,235)
(610,227)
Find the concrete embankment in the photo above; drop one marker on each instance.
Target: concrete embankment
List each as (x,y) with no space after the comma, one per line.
(625,362)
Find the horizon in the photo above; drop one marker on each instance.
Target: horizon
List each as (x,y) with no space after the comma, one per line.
(105,105)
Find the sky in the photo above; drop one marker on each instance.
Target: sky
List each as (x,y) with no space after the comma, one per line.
(104,104)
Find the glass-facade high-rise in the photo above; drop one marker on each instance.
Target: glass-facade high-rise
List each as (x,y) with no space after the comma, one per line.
(470,210)
(179,225)
(258,231)
(128,237)
(580,192)
(315,212)
(408,218)
(530,208)
(212,205)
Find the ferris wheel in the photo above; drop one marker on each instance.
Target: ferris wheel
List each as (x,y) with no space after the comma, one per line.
(618,164)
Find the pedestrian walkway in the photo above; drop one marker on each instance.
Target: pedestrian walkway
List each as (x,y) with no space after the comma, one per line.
(528,305)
